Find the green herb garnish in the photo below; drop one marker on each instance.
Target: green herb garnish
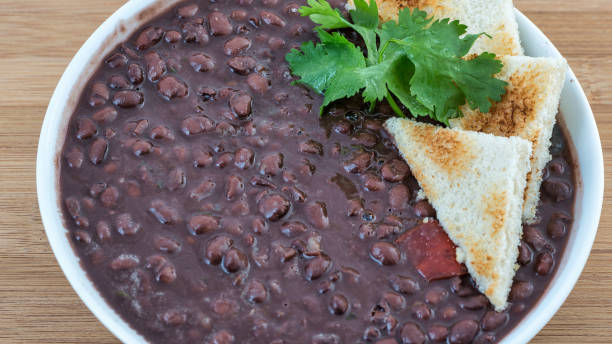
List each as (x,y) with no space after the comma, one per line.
(416,60)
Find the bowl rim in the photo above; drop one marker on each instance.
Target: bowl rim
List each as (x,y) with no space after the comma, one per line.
(129,17)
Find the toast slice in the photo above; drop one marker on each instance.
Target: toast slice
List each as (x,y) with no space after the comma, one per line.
(475,181)
(527,110)
(495,17)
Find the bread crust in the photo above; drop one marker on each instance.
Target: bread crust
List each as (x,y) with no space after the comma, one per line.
(528,110)
(475,181)
(494,17)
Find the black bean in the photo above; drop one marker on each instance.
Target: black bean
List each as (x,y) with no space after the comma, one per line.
(271,164)
(219,24)
(412,334)
(197,125)
(86,128)
(463,332)
(99,94)
(316,213)
(358,163)
(105,115)
(141,147)
(404,284)
(116,60)
(258,83)
(544,263)
(128,99)
(385,253)
(109,197)
(149,37)
(234,187)
(188,11)
(236,45)
(164,213)
(371,333)
(98,150)
(485,338)
(274,207)
(493,320)
(171,87)
(338,304)
(224,160)
(156,67)
(424,209)
(173,36)
(125,262)
(194,31)
(276,43)
(534,237)
(292,9)
(174,317)
(82,237)
(372,182)
(365,139)
(242,64)
(525,254)
(176,179)
(119,82)
(316,267)
(293,228)
(126,225)
(166,273)
(448,312)
(420,311)
(235,260)
(521,290)
(474,302)
(259,226)
(216,249)
(559,190)
(166,244)
(557,226)
(256,292)
(241,104)
(200,224)
(74,157)
(201,62)
(272,19)
(222,337)
(437,333)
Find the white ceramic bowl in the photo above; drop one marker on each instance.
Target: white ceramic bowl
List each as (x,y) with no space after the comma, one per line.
(576,112)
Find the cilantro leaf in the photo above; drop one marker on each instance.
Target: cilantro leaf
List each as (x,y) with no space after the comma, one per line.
(321,12)
(417,60)
(328,67)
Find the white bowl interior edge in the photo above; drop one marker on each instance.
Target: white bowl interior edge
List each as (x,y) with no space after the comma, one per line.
(574,107)
(580,125)
(115,29)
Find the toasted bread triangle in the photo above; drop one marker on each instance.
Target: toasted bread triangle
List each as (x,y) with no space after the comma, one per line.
(475,181)
(494,17)
(527,110)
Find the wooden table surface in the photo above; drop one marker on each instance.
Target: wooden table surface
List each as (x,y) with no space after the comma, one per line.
(37,40)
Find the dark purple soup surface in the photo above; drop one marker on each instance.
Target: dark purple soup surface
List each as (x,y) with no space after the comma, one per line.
(211,204)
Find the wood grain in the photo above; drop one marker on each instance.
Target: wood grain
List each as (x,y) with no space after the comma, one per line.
(37,40)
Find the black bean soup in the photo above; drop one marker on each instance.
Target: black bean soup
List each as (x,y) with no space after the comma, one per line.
(210,203)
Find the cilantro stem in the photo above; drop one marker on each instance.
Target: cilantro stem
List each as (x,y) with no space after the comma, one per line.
(394,105)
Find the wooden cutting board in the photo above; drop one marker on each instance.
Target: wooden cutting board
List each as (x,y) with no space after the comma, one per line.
(37,40)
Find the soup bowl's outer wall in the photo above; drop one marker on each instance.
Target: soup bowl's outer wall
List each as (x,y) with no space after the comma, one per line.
(576,112)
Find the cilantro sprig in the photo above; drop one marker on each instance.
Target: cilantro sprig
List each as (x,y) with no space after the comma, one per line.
(417,60)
